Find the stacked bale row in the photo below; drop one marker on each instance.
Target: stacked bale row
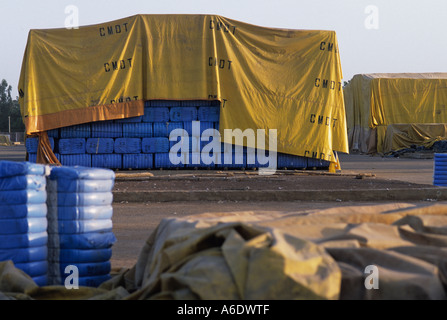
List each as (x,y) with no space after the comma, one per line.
(143,142)
(23,221)
(80,224)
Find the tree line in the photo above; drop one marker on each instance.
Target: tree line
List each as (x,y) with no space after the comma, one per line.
(10,116)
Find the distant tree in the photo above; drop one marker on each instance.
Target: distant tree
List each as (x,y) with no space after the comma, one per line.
(9,110)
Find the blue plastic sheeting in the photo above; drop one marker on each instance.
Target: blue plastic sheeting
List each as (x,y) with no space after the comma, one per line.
(89,269)
(33,268)
(154,145)
(32,143)
(84,185)
(128,145)
(20,255)
(15,211)
(83,226)
(291,161)
(107,129)
(183,114)
(71,146)
(162,103)
(110,161)
(26,196)
(163,129)
(99,145)
(23,240)
(138,161)
(130,120)
(85,212)
(13,168)
(79,172)
(23,225)
(84,199)
(91,240)
(137,130)
(77,131)
(156,114)
(208,114)
(161,160)
(84,255)
(76,160)
(20,182)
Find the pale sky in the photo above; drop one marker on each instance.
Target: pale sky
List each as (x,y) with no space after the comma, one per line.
(374,36)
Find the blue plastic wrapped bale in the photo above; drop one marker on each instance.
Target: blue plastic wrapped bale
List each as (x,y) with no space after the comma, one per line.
(127,145)
(23,240)
(14,168)
(53,133)
(440,169)
(109,161)
(90,240)
(199,160)
(138,161)
(162,103)
(79,172)
(156,114)
(185,144)
(23,225)
(199,103)
(32,157)
(162,160)
(84,256)
(154,145)
(290,161)
(99,145)
(232,157)
(76,131)
(76,160)
(208,114)
(19,182)
(85,212)
(33,268)
(32,143)
(85,185)
(25,196)
(130,120)
(89,269)
(71,146)
(107,129)
(197,128)
(163,129)
(183,114)
(84,226)
(317,163)
(21,255)
(137,130)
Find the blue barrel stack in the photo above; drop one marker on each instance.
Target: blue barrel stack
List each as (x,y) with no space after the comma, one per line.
(142,142)
(23,218)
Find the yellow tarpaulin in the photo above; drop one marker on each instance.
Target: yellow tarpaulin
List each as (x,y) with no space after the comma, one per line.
(375,101)
(265,78)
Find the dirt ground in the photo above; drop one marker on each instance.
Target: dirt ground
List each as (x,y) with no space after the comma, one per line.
(290,180)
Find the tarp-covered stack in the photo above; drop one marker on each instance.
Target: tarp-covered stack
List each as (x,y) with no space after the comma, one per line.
(264,78)
(390,111)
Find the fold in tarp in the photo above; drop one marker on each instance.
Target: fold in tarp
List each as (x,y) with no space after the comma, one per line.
(402,136)
(379,100)
(265,78)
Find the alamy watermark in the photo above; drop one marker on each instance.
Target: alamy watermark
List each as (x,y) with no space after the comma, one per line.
(372,280)
(72,17)
(372,18)
(72,280)
(188,151)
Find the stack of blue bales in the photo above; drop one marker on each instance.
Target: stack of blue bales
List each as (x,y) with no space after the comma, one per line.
(80,224)
(23,221)
(143,142)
